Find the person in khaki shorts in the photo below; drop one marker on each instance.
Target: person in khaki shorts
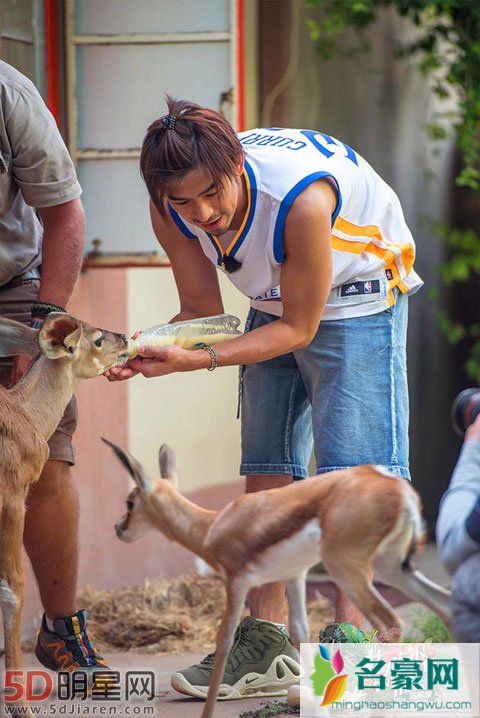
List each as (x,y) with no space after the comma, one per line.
(41,248)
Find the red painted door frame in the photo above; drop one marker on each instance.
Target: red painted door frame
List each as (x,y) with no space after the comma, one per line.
(52,75)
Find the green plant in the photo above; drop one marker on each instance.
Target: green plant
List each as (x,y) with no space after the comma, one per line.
(462,266)
(273,708)
(428,628)
(435,631)
(447,45)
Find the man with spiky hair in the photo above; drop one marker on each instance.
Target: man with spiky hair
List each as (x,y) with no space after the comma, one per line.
(304,227)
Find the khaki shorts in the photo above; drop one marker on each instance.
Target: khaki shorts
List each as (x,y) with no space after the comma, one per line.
(15,304)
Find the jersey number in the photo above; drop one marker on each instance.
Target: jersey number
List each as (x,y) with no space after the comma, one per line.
(328,146)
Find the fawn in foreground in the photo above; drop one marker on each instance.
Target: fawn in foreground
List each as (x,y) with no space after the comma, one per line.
(358,521)
(65,350)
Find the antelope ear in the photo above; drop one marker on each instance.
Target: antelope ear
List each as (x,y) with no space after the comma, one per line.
(16,338)
(59,335)
(168,463)
(134,468)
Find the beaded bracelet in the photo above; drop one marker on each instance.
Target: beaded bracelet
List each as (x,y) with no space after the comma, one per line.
(210,350)
(41,309)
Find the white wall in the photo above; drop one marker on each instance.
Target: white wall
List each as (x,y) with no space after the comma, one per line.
(194,412)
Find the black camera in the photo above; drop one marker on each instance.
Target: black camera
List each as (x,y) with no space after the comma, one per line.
(465,409)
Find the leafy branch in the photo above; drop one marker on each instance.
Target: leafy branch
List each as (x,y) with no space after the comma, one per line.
(447,47)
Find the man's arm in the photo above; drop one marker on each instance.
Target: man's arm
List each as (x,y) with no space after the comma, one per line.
(456,539)
(195,276)
(305,285)
(62,250)
(44,172)
(62,254)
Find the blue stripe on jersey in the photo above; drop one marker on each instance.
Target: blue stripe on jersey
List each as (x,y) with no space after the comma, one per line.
(286,204)
(253,201)
(181,224)
(339,203)
(217,249)
(251,214)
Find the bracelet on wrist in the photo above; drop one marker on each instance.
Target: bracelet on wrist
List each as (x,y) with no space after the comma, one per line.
(211,351)
(40,310)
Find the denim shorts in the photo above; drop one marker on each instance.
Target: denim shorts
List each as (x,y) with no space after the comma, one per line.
(346,393)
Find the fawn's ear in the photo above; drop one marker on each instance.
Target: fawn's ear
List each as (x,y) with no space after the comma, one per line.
(16,338)
(59,335)
(134,468)
(168,463)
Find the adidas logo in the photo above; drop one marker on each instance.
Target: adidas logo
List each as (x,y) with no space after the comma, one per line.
(351,289)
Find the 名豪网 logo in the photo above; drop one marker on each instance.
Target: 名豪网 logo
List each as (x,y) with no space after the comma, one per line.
(327,679)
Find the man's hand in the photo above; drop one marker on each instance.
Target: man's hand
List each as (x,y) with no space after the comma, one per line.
(160,361)
(19,367)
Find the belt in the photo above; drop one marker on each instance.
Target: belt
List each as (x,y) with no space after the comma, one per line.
(24,278)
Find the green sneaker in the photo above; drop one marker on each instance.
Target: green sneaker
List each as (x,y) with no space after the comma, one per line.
(68,647)
(262,662)
(345,633)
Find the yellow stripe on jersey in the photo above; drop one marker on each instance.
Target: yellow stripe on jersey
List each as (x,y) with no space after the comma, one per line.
(369,230)
(386,253)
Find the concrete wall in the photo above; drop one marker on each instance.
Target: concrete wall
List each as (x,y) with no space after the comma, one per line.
(193,412)
(380,105)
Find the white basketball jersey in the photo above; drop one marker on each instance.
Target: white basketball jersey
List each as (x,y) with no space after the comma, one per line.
(373,249)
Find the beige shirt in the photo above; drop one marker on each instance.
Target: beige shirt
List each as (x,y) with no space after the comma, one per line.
(35,171)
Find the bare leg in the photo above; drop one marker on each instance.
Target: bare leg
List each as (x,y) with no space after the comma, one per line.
(52,545)
(268,601)
(12,513)
(347,612)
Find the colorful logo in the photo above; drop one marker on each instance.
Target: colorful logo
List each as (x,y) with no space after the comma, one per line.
(327,679)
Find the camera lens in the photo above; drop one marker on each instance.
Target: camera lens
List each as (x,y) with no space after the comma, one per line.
(465,409)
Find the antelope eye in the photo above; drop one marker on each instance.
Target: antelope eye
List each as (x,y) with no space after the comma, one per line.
(98,342)
(130,504)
